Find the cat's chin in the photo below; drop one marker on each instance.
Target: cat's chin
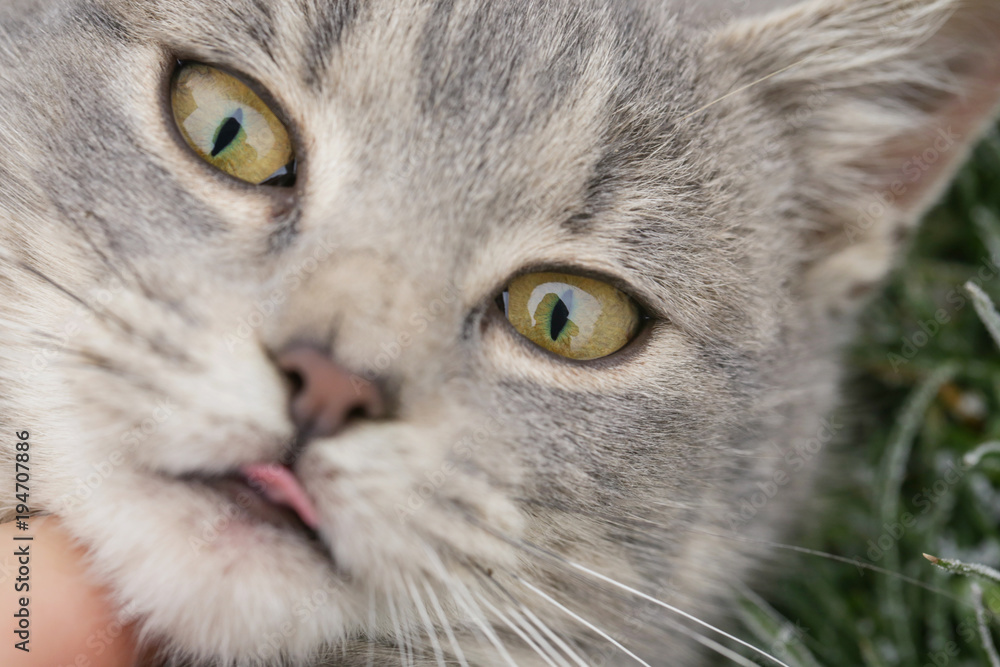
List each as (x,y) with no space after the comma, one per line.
(213,571)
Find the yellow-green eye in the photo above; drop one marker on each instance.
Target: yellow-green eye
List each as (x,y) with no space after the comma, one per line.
(578,318)
(230,127)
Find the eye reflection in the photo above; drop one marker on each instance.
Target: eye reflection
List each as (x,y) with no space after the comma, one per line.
(575,317)
(226,124)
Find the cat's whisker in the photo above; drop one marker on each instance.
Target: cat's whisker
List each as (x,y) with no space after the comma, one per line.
(579,619)
(531,548)
(517,618)
(464,598)
(833,557)
(525,623)
(539,639)
(472,608)
(677,611)
(709,643)
(110,319)
(372,626)
(397,628)
(409,635)
(124,259)
(718,648)
(432,635)
(567,649)
(445,623)
(750,85)
(517,630)
(478,621)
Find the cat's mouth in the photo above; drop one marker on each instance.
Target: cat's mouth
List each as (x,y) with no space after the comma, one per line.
(268,492)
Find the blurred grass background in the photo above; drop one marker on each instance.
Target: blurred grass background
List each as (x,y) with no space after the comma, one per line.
(914,417)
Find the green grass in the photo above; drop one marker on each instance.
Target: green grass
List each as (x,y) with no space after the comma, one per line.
(917,410)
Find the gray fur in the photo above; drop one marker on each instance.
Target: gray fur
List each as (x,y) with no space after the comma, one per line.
(446,145)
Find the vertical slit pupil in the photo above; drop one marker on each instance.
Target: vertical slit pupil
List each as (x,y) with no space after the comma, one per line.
(227,133)
(560,318)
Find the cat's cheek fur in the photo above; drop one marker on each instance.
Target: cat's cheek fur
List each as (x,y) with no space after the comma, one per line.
(392,495)
(166,430)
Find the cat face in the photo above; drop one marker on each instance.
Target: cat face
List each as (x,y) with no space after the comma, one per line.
(472,482)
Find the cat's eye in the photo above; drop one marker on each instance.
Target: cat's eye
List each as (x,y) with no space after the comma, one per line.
(229,126)
(575,317)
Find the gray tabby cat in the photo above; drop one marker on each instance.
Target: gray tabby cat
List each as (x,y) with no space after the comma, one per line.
(488,345)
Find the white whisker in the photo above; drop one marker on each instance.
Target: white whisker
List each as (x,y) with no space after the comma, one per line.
(524,623)
(465,600)
(677,611)
(833,557)
(530,628)
(713,645)
(586,623)
(554,637)
(528,547)
(431,631)
(409,636)
(397,629)
(372,622)
(436,604)
(751,85)
(484,624)
(518,631)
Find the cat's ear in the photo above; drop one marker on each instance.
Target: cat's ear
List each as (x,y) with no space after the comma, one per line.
(882,100)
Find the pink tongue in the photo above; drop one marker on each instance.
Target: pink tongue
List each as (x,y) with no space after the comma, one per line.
(281,487)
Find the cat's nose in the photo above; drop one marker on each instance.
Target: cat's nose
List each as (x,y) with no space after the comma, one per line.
(325,397)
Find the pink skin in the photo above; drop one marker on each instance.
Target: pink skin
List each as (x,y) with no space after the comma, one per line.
(73,620)
(279,485)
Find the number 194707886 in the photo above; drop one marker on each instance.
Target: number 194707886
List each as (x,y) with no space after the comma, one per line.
(22,475)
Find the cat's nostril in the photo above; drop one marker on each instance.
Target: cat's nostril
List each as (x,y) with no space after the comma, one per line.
(296,381)
(357,413)
(324,396)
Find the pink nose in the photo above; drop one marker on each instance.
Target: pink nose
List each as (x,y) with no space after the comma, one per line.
(326,397)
